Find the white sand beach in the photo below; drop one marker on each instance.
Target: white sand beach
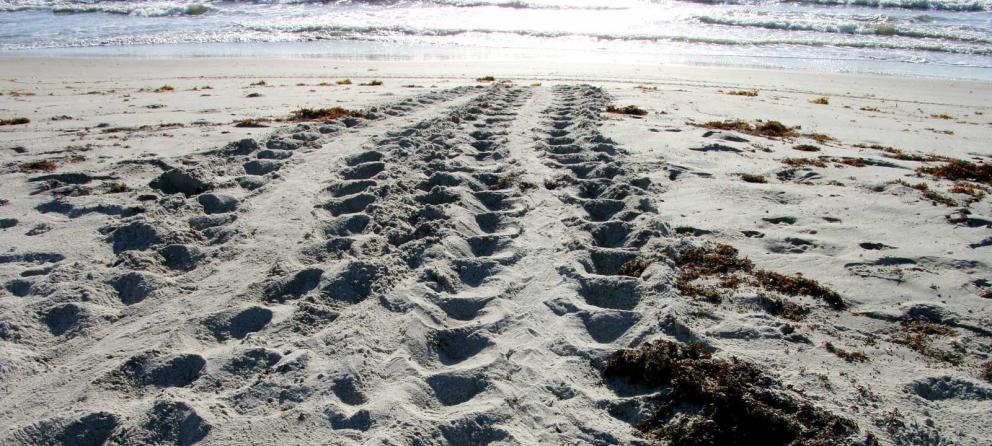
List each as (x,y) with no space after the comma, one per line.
(564,254)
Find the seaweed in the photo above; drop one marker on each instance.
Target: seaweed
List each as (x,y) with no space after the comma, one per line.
(918,335)
(783,308)
(849,161)
(710,401)
(960,170)
(251,122)
(314,114)
(748,93)
(37,166)
(739,126)
(748,178)
(722,262)
(894,153)
(804,162)
(975,191)
(14,121)
(819,137)
(929,194)
(799,286)
(768,129)
(849,356)
(720,259)
(633,267)
(775,129)
(631,110)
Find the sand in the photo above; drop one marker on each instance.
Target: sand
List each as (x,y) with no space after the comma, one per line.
(462,263)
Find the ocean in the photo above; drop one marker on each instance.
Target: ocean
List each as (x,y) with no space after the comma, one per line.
(940,38)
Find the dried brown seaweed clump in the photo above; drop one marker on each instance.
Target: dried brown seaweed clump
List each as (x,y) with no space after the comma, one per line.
(748,93)
(932,195)
(804,162)
(770,129)
(892,152)
(749,178)
(15,121)
(633,267)
(251,122)
(960,170)
(632,110)
(922,336)
(710,401)
(37,166)
(325,114)
(721,264)
(767,129)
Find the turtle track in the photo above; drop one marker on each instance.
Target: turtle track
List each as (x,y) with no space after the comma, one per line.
(415,237)
(186,225)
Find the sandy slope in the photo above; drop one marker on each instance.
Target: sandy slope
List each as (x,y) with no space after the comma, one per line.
(455,267)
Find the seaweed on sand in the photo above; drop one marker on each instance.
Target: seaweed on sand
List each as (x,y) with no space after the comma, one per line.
(770,129)
(710,401)
(722,263)
(251,122)
(632,110)
(749,178)
(15,121)
(960,170)
(325,114)
(748,93)
(37,166)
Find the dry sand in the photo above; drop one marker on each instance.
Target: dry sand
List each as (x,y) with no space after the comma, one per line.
(462,264)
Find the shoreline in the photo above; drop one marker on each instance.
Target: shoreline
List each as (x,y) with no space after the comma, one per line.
(897,88)
(358,51)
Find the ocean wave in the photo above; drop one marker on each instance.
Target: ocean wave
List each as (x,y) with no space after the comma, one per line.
(156,9)
(137,9)
(882,29)
(517,4)
(512,4)
(373,32)
(936,5)
(399,34)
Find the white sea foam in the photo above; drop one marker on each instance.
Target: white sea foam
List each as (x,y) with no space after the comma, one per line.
(950,32)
